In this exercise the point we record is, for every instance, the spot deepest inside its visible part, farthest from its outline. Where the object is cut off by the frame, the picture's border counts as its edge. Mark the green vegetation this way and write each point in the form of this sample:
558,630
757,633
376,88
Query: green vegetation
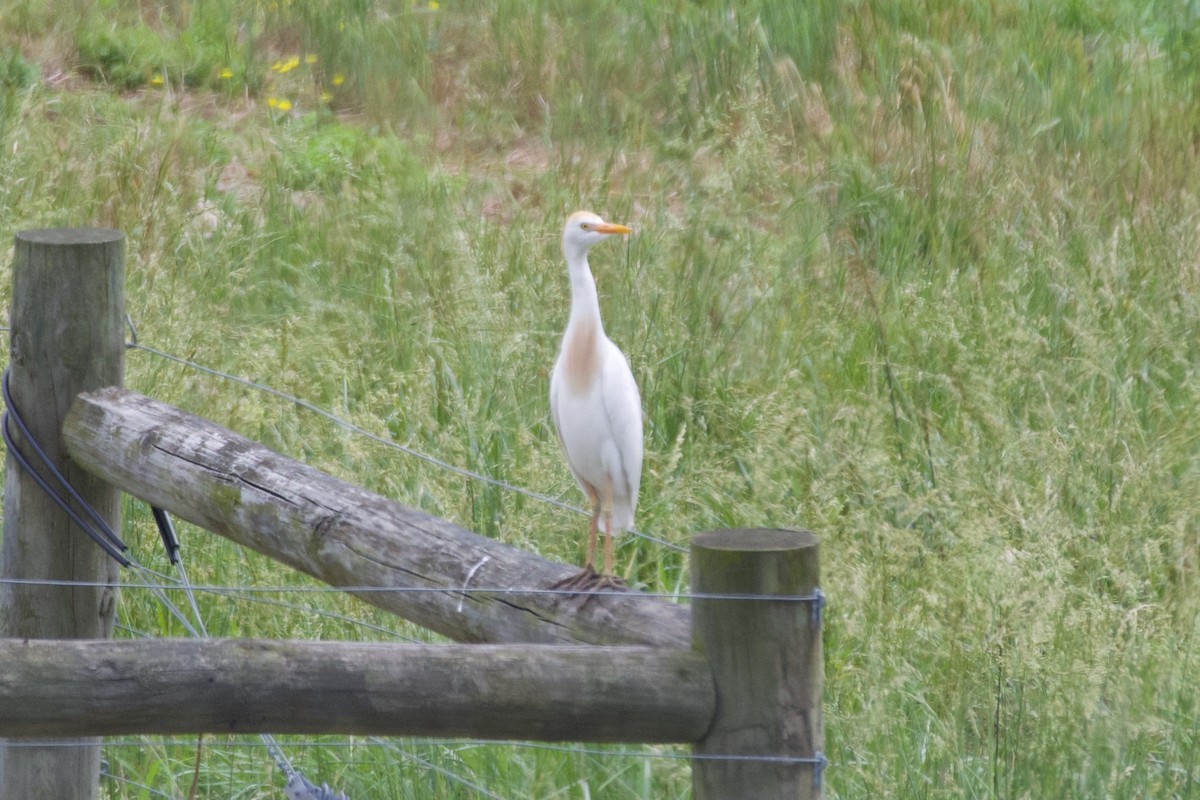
923,277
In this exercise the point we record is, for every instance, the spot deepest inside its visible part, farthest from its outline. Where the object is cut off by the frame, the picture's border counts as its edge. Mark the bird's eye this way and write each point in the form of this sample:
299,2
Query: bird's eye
584,226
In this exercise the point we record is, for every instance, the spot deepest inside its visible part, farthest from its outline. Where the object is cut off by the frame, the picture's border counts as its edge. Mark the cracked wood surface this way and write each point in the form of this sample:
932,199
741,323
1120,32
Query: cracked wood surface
346,536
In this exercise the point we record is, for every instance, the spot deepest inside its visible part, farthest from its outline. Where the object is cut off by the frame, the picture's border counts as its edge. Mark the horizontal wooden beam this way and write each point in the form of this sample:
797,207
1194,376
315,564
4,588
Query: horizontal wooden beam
68,688
347,536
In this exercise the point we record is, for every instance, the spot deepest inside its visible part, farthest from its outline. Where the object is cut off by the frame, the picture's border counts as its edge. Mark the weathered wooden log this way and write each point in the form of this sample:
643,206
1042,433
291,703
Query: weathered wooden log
184,686
68,336
766,660
347,536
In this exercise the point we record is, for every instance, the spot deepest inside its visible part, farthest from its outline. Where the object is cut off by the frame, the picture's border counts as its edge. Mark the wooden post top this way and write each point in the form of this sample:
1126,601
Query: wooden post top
70,236
756,539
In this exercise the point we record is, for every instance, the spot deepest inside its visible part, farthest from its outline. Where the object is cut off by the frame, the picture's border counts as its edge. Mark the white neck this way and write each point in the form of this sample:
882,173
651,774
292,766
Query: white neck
584,300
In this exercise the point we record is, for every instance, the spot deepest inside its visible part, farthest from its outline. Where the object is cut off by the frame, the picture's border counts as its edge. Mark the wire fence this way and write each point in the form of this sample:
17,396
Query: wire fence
386,442
817,597
163,586
406,754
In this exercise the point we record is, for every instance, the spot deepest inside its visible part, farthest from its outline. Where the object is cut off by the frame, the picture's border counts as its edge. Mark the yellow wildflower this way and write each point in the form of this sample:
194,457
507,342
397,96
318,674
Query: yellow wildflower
284,105
286,65
157,79
310,59
326,97
338,79
272,102
434,5
226,73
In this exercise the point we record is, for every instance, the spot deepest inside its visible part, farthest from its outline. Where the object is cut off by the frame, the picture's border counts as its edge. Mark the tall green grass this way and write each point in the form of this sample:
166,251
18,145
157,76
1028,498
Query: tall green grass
921,277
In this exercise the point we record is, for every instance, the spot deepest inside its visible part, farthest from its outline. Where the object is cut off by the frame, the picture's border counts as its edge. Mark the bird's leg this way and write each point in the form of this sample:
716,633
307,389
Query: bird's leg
607,580
608,548
608,539
589,564
583,579
589,580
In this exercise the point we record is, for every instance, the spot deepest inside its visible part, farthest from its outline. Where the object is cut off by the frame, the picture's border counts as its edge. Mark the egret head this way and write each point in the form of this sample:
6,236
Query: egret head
583,230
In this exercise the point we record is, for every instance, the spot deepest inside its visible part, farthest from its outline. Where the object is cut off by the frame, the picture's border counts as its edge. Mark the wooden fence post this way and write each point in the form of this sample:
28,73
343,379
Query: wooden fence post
766,660
67,336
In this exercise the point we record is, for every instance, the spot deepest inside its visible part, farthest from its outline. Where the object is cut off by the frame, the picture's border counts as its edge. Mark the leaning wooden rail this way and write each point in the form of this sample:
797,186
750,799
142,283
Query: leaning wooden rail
185,686
347,536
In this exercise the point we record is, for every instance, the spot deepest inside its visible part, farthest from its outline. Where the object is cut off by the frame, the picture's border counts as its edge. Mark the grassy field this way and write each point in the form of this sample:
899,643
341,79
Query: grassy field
923,277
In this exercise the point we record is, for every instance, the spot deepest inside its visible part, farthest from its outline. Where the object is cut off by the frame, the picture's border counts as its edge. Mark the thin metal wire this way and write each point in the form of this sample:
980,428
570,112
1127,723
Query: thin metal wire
350,426
331,615
106,772
191,595
114,551
272,746
818,759
171,542
816,597
430,765
233,594
98,529
461,744
201,632
182,583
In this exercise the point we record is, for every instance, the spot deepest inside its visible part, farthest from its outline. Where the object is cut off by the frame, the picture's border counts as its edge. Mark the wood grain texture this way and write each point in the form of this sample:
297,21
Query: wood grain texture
766,660
347,536
67,336
184,686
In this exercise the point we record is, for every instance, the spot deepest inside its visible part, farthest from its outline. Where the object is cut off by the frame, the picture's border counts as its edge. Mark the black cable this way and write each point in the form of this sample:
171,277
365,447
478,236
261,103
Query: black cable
102,534
167,531
99,529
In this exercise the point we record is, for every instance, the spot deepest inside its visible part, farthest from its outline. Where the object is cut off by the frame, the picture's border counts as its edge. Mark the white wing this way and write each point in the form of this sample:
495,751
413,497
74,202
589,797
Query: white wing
623,406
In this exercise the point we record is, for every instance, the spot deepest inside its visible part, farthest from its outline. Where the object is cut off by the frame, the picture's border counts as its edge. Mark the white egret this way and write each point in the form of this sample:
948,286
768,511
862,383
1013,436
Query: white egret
595,404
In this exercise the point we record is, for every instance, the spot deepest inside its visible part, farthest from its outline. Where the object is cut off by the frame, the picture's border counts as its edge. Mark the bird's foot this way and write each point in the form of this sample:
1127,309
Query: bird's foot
609,583
588,580
580,581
